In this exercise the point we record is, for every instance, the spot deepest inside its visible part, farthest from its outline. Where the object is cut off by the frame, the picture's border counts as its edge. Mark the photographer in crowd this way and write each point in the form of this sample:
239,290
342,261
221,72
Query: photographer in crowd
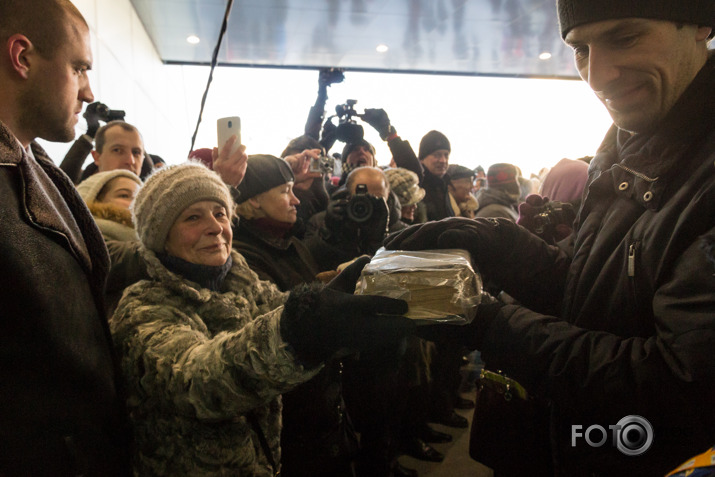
620,329
355,222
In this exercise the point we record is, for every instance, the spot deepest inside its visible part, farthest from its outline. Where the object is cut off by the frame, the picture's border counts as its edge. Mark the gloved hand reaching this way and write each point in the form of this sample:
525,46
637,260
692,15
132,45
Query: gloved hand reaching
470,335
336,215
318,320
378,119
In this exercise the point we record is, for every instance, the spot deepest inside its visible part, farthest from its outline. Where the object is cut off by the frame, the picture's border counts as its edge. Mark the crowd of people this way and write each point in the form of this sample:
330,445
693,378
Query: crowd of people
199,318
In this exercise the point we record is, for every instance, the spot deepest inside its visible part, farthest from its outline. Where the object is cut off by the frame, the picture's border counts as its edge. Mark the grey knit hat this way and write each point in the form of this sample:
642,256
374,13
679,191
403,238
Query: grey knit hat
167,193
405,184
263,173
90,188
573,13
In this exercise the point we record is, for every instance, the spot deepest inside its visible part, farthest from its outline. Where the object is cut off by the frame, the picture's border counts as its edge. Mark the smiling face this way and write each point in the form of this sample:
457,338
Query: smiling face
120,191
201,234
437,162
638,68
278,203
57,86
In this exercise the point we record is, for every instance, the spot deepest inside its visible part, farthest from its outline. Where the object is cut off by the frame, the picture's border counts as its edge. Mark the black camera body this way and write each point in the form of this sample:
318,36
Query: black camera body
363,207
348,130
105,114
322,164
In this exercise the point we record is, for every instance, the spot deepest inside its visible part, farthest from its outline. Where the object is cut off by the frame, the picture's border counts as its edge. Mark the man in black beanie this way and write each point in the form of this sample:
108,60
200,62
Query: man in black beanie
434,155
616,328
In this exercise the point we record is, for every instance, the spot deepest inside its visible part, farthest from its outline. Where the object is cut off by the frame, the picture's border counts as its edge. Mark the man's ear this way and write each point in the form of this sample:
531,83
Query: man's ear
21,51
704,32
254,203
95,156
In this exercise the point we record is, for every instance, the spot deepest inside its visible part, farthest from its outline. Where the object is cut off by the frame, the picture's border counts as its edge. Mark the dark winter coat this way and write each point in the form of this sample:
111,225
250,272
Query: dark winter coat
198,363
62,409
636,328
436,202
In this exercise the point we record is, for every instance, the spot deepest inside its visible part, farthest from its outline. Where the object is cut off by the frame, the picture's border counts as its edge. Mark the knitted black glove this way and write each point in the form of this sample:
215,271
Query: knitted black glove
470,335
93,115
378,119
318,321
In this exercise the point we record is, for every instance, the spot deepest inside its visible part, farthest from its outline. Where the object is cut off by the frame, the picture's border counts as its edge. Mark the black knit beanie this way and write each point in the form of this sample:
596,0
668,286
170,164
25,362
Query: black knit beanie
433,141
263,173
573,13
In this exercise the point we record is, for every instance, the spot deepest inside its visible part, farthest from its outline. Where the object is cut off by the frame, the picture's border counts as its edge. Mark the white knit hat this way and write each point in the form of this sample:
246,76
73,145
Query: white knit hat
167,193
90,188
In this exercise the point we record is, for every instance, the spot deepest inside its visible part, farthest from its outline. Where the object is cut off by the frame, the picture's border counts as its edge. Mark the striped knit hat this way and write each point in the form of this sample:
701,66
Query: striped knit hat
573,13
167,193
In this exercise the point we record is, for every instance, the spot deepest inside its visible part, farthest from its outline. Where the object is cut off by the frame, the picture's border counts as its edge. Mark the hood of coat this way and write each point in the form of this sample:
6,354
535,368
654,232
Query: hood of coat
496,196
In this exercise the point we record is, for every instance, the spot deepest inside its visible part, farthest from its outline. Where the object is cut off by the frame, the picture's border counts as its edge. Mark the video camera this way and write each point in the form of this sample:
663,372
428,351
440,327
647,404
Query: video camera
348,129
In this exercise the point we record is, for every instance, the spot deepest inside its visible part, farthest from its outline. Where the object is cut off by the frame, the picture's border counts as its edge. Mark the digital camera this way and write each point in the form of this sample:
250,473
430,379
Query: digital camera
363,207
322,164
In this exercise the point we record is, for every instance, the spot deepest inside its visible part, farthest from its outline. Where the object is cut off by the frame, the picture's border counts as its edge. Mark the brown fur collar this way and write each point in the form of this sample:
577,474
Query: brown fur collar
102,210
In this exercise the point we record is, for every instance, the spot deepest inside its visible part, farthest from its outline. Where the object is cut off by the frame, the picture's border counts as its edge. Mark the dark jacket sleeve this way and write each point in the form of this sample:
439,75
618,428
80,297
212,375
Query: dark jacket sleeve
610,376
75,157
405,156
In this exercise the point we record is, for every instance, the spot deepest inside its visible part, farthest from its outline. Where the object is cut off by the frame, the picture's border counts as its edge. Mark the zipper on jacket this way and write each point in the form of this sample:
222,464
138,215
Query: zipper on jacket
632,260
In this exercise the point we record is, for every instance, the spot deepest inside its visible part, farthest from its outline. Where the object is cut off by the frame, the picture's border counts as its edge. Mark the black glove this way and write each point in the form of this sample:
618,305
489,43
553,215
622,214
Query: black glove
336,216
378,119
328,76
92,115
470,335
486,239
318,321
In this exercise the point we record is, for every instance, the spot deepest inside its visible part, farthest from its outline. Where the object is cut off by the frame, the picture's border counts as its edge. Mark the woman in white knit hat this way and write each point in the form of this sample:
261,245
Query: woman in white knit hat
207,348
108,196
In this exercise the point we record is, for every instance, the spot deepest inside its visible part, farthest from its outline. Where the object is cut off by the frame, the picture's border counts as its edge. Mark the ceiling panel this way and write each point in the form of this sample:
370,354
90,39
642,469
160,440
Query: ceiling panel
469,37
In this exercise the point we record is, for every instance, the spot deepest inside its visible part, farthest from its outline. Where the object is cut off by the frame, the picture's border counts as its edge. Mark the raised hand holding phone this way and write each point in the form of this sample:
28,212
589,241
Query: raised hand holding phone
230,163
227,127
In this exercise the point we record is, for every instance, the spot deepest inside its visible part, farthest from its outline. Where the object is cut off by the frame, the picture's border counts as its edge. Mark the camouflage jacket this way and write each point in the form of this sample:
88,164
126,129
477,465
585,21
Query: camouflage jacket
197,362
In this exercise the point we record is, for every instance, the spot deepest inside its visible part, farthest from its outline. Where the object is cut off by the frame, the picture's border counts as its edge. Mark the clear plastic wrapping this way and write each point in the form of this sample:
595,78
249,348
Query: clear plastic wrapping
438,285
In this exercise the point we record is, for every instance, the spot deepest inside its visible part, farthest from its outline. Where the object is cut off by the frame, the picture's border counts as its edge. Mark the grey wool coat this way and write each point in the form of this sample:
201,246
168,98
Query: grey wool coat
197,363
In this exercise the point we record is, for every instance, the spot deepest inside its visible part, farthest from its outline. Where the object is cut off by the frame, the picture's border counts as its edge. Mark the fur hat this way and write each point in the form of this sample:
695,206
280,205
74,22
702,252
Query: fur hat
263,173
405,184
433,141
167,193
573,13
90,188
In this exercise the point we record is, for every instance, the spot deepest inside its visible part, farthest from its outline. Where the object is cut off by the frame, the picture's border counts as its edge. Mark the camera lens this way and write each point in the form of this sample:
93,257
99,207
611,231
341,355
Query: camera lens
359,209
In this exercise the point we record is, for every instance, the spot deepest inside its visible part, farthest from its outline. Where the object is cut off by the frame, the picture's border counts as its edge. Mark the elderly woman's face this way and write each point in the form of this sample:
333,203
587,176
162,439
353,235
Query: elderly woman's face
201,234
279,203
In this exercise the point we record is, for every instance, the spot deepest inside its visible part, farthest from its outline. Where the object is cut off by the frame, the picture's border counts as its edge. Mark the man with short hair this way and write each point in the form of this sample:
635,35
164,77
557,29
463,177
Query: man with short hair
62,410
118,145
617,331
